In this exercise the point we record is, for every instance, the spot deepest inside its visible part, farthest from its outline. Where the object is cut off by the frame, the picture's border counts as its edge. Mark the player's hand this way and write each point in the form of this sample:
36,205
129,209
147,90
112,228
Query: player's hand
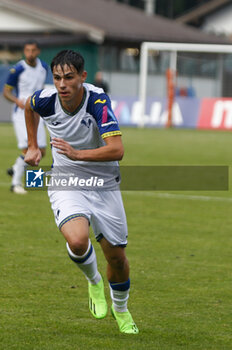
64,148
33,156
20,104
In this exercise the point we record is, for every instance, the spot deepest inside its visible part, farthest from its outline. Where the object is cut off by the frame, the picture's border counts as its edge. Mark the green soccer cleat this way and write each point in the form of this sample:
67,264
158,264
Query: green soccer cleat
125,322
97,300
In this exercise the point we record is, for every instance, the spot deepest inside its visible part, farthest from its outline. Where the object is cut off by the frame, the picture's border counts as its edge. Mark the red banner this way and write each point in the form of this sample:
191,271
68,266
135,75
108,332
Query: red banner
215,113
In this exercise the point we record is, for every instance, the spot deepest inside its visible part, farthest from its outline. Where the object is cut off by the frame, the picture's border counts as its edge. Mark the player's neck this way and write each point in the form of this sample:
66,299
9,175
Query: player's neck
73,105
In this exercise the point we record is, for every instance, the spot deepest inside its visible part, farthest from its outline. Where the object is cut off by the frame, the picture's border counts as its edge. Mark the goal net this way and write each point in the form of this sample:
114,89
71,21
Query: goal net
185,85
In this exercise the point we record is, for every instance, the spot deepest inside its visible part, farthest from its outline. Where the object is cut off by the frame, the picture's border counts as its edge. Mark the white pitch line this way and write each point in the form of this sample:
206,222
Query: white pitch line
179,196
166,195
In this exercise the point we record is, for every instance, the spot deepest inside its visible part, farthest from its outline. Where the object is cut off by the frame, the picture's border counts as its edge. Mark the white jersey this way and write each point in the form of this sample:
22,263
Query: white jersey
25,79
85,128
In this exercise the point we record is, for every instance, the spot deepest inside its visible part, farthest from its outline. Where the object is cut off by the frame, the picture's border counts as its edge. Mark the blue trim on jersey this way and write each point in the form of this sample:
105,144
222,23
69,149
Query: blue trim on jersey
98,106
13,76
120,286
44,65
44,106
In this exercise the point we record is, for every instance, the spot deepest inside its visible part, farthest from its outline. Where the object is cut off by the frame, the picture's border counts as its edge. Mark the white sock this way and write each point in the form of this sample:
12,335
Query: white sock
119,293
19,168
87,263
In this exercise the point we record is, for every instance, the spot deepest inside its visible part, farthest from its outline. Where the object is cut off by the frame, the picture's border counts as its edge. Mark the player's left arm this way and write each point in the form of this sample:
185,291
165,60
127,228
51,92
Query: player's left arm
113,150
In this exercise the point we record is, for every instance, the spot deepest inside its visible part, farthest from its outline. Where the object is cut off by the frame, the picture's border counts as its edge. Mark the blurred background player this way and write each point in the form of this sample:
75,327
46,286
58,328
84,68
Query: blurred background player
25,77
99,82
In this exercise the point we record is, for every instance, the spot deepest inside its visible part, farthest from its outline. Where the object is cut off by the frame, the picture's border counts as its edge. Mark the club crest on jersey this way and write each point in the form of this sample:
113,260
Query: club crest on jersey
86,122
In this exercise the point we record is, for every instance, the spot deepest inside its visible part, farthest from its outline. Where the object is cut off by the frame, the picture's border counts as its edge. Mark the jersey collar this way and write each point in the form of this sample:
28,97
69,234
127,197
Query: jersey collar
78,108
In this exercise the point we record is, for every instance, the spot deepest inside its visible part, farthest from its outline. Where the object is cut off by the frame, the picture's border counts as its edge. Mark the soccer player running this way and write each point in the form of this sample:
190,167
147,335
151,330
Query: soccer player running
25,77
84,130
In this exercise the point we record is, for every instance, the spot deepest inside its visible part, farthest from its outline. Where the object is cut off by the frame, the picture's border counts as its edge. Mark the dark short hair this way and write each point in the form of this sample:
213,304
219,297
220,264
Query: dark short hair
31,42
69,57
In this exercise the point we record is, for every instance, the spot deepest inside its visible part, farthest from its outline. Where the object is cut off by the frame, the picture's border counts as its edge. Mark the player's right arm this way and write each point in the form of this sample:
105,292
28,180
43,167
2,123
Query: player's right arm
7,93
33,155
11,84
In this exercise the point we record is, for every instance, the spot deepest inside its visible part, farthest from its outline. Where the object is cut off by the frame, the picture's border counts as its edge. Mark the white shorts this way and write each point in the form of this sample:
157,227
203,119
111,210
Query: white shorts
103,209
21,130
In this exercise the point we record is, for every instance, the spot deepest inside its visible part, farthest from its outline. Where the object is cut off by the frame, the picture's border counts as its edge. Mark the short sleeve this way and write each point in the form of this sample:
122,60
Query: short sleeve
44,65
12,80
99,106
43,103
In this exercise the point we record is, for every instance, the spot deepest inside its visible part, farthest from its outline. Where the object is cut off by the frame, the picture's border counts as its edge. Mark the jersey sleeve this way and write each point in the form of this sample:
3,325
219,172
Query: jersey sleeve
99,106
43,104
44,65
15,71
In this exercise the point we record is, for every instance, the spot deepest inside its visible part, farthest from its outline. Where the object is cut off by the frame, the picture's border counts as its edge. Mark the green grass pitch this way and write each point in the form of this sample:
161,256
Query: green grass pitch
179,250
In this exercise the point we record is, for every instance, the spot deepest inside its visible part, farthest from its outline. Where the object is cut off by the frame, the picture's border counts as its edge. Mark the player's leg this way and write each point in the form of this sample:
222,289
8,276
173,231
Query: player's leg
20,165
118,265
119,281
18,172
81,251
110,228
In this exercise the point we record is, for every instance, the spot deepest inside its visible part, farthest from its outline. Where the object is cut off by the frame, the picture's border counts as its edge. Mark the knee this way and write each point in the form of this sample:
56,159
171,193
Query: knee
78,246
